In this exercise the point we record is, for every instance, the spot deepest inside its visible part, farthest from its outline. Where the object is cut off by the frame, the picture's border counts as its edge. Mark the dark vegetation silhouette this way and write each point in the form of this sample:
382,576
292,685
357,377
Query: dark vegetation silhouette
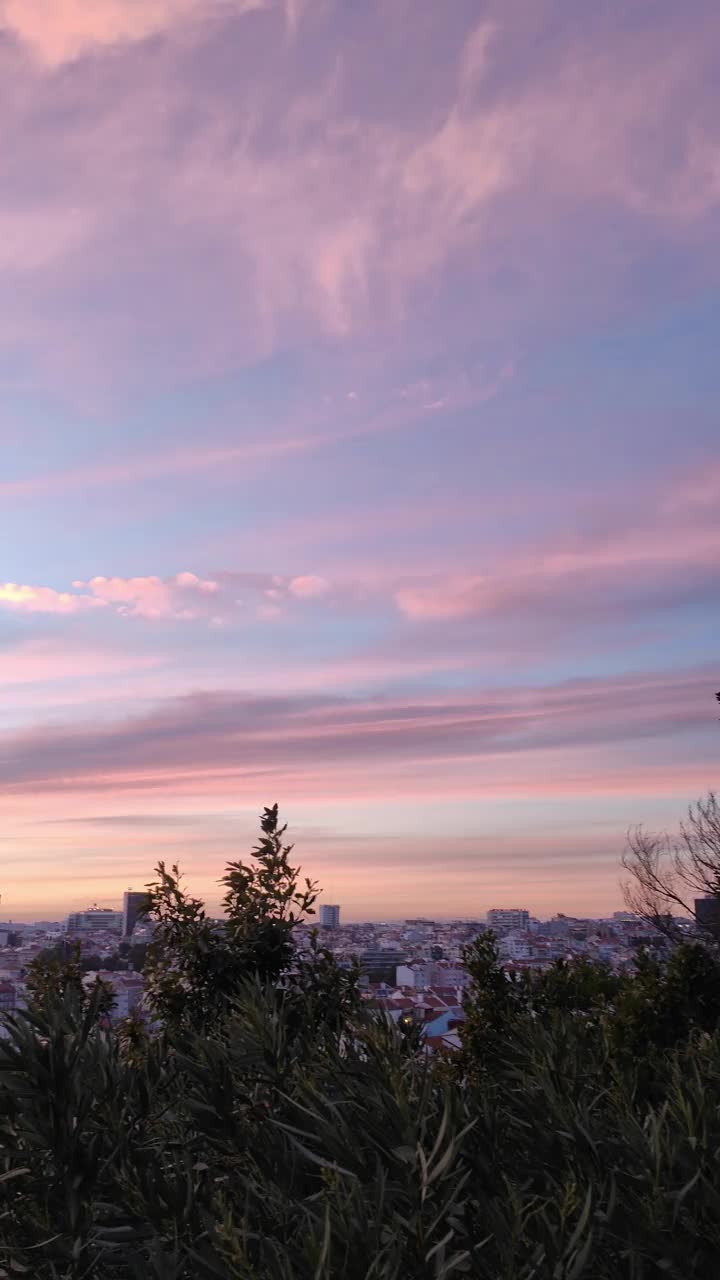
266,1124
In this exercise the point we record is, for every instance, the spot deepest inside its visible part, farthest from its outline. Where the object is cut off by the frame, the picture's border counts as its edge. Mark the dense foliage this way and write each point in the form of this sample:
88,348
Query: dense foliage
285,1131
195,963
641,1015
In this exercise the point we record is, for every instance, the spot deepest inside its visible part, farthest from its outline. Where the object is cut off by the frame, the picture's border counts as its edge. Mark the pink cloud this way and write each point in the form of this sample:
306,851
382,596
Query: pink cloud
27,599
695,493
31,240
65,675
55,662
308,587
657,554
148,597
179,462
382,204
520,739
61,30
182,596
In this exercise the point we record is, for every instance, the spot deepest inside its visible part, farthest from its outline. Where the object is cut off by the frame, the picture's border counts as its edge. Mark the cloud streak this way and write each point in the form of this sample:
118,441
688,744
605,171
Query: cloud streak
254,742
405,412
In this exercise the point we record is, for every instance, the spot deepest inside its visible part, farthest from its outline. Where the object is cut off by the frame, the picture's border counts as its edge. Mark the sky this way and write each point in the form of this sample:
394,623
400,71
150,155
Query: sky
359,391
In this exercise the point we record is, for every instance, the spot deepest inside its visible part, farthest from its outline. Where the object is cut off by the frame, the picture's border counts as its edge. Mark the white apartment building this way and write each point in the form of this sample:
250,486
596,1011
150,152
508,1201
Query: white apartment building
503,919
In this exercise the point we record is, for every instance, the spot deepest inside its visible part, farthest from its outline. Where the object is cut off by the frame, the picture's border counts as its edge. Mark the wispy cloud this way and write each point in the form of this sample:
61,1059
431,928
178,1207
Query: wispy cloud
54,661
384,203
405,411
641,561
60,31
224,740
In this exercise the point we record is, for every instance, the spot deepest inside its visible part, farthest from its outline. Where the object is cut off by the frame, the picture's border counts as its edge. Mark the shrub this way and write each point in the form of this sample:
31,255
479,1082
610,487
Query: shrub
288,1131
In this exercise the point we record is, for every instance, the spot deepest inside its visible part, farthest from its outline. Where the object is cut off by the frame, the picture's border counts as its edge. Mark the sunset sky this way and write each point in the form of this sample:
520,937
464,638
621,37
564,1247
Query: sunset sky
360,443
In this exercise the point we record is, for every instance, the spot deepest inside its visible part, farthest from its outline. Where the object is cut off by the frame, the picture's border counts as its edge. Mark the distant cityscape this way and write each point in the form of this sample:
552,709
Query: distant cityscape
409,968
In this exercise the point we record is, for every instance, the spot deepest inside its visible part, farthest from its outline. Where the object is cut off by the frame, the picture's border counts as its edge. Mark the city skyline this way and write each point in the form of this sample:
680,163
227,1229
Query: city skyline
359,437
313,921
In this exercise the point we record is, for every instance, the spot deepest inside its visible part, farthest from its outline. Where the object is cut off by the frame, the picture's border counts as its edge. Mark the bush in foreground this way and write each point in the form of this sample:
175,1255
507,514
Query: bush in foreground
292,1134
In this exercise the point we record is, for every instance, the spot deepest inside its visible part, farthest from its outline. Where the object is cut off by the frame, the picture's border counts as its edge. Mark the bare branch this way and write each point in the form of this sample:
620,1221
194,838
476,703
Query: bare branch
653,889
697,853
669,873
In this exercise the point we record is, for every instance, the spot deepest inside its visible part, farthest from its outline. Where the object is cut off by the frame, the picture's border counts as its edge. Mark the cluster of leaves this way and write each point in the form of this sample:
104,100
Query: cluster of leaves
641,1014
57,973
294,1135
195,963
